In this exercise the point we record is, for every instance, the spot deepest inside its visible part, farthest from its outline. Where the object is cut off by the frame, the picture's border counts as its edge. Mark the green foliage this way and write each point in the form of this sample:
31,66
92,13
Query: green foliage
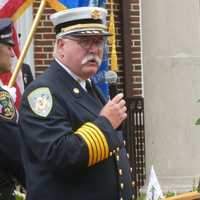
197,122
198,186
170,194
19,195
141,197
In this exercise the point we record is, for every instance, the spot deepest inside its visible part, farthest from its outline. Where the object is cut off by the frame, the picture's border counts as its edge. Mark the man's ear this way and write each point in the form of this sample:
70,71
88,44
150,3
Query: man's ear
60,46
60,43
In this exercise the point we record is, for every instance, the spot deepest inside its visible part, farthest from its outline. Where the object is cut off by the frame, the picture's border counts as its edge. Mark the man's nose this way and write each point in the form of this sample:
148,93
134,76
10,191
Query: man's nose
93,47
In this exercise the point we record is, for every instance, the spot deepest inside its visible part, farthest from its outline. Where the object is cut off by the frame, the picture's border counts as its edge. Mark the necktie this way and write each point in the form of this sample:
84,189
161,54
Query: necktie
89,88
91,92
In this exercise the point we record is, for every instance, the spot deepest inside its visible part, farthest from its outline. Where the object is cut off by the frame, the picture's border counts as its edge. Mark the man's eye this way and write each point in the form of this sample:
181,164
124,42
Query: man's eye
84,41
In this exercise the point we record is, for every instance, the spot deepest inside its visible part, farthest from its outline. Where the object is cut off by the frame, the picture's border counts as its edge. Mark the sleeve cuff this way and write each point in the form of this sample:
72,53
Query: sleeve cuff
96,142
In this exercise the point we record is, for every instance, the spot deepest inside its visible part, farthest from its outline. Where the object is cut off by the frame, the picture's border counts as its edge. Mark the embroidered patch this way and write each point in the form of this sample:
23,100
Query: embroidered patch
40,101
7,108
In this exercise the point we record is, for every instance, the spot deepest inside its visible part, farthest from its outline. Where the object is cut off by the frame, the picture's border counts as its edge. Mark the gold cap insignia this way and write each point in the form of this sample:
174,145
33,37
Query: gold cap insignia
95,14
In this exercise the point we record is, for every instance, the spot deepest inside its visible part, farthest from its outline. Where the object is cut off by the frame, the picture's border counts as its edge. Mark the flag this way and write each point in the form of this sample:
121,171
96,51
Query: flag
63,4
14,9
112,40
99,77
154,191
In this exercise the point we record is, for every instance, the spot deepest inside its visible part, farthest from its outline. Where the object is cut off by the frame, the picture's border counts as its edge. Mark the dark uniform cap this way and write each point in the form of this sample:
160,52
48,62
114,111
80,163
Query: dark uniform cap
80,21
6,31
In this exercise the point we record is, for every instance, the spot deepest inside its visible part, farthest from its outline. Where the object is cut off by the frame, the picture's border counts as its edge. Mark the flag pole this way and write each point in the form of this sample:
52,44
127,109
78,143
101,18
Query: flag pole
27,43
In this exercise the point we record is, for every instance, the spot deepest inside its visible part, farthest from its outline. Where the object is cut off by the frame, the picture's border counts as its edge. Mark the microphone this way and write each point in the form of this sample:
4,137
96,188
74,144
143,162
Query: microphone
111,79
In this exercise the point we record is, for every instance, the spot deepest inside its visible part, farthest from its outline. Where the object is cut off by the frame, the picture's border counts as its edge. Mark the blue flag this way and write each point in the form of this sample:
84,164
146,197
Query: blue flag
80,3
99,77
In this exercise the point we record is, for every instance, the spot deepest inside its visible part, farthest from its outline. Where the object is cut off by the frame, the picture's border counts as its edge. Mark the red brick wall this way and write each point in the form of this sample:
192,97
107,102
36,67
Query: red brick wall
136,47
44,39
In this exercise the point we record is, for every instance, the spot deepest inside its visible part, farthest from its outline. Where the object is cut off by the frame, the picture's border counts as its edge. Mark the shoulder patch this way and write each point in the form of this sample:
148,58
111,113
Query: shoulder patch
40,101
7,108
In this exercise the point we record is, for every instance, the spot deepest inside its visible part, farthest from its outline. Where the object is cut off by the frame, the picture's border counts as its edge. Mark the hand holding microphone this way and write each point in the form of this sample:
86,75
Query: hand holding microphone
115,110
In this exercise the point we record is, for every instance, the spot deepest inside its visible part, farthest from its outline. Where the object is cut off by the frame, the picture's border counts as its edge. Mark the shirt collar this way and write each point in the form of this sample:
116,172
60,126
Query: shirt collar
74,76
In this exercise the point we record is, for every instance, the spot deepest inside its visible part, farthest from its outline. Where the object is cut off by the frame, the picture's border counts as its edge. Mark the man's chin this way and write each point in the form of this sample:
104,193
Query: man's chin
89,73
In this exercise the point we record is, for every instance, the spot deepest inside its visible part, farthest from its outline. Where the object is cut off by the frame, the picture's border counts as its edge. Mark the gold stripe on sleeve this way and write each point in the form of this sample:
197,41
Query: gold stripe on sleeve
97,142
100,142
89,145
84,130
99,132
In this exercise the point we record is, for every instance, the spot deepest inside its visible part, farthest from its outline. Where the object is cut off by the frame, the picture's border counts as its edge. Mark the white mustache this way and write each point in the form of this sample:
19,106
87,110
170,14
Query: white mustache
91,57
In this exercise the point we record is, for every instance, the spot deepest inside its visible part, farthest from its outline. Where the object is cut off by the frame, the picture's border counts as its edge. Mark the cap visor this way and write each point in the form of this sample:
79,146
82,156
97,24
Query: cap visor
87,33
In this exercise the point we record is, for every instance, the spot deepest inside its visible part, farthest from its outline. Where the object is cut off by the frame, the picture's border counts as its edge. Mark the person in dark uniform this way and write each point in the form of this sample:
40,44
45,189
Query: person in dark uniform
11,168
27,74
26,71
70,143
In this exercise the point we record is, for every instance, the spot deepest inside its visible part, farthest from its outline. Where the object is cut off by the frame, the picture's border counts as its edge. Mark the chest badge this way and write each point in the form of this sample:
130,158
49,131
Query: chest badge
76,90
7,108
40,101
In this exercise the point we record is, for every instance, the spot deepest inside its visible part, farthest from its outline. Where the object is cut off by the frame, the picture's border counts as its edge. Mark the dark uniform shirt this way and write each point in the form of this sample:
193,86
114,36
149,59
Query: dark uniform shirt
10,158
69,152
27,74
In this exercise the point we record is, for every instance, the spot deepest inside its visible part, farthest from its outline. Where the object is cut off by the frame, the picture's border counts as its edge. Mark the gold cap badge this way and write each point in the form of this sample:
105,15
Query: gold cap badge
95,14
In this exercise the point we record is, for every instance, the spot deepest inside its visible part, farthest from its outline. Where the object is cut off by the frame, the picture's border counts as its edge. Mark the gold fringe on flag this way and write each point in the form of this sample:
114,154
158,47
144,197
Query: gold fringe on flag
112,40
56,5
